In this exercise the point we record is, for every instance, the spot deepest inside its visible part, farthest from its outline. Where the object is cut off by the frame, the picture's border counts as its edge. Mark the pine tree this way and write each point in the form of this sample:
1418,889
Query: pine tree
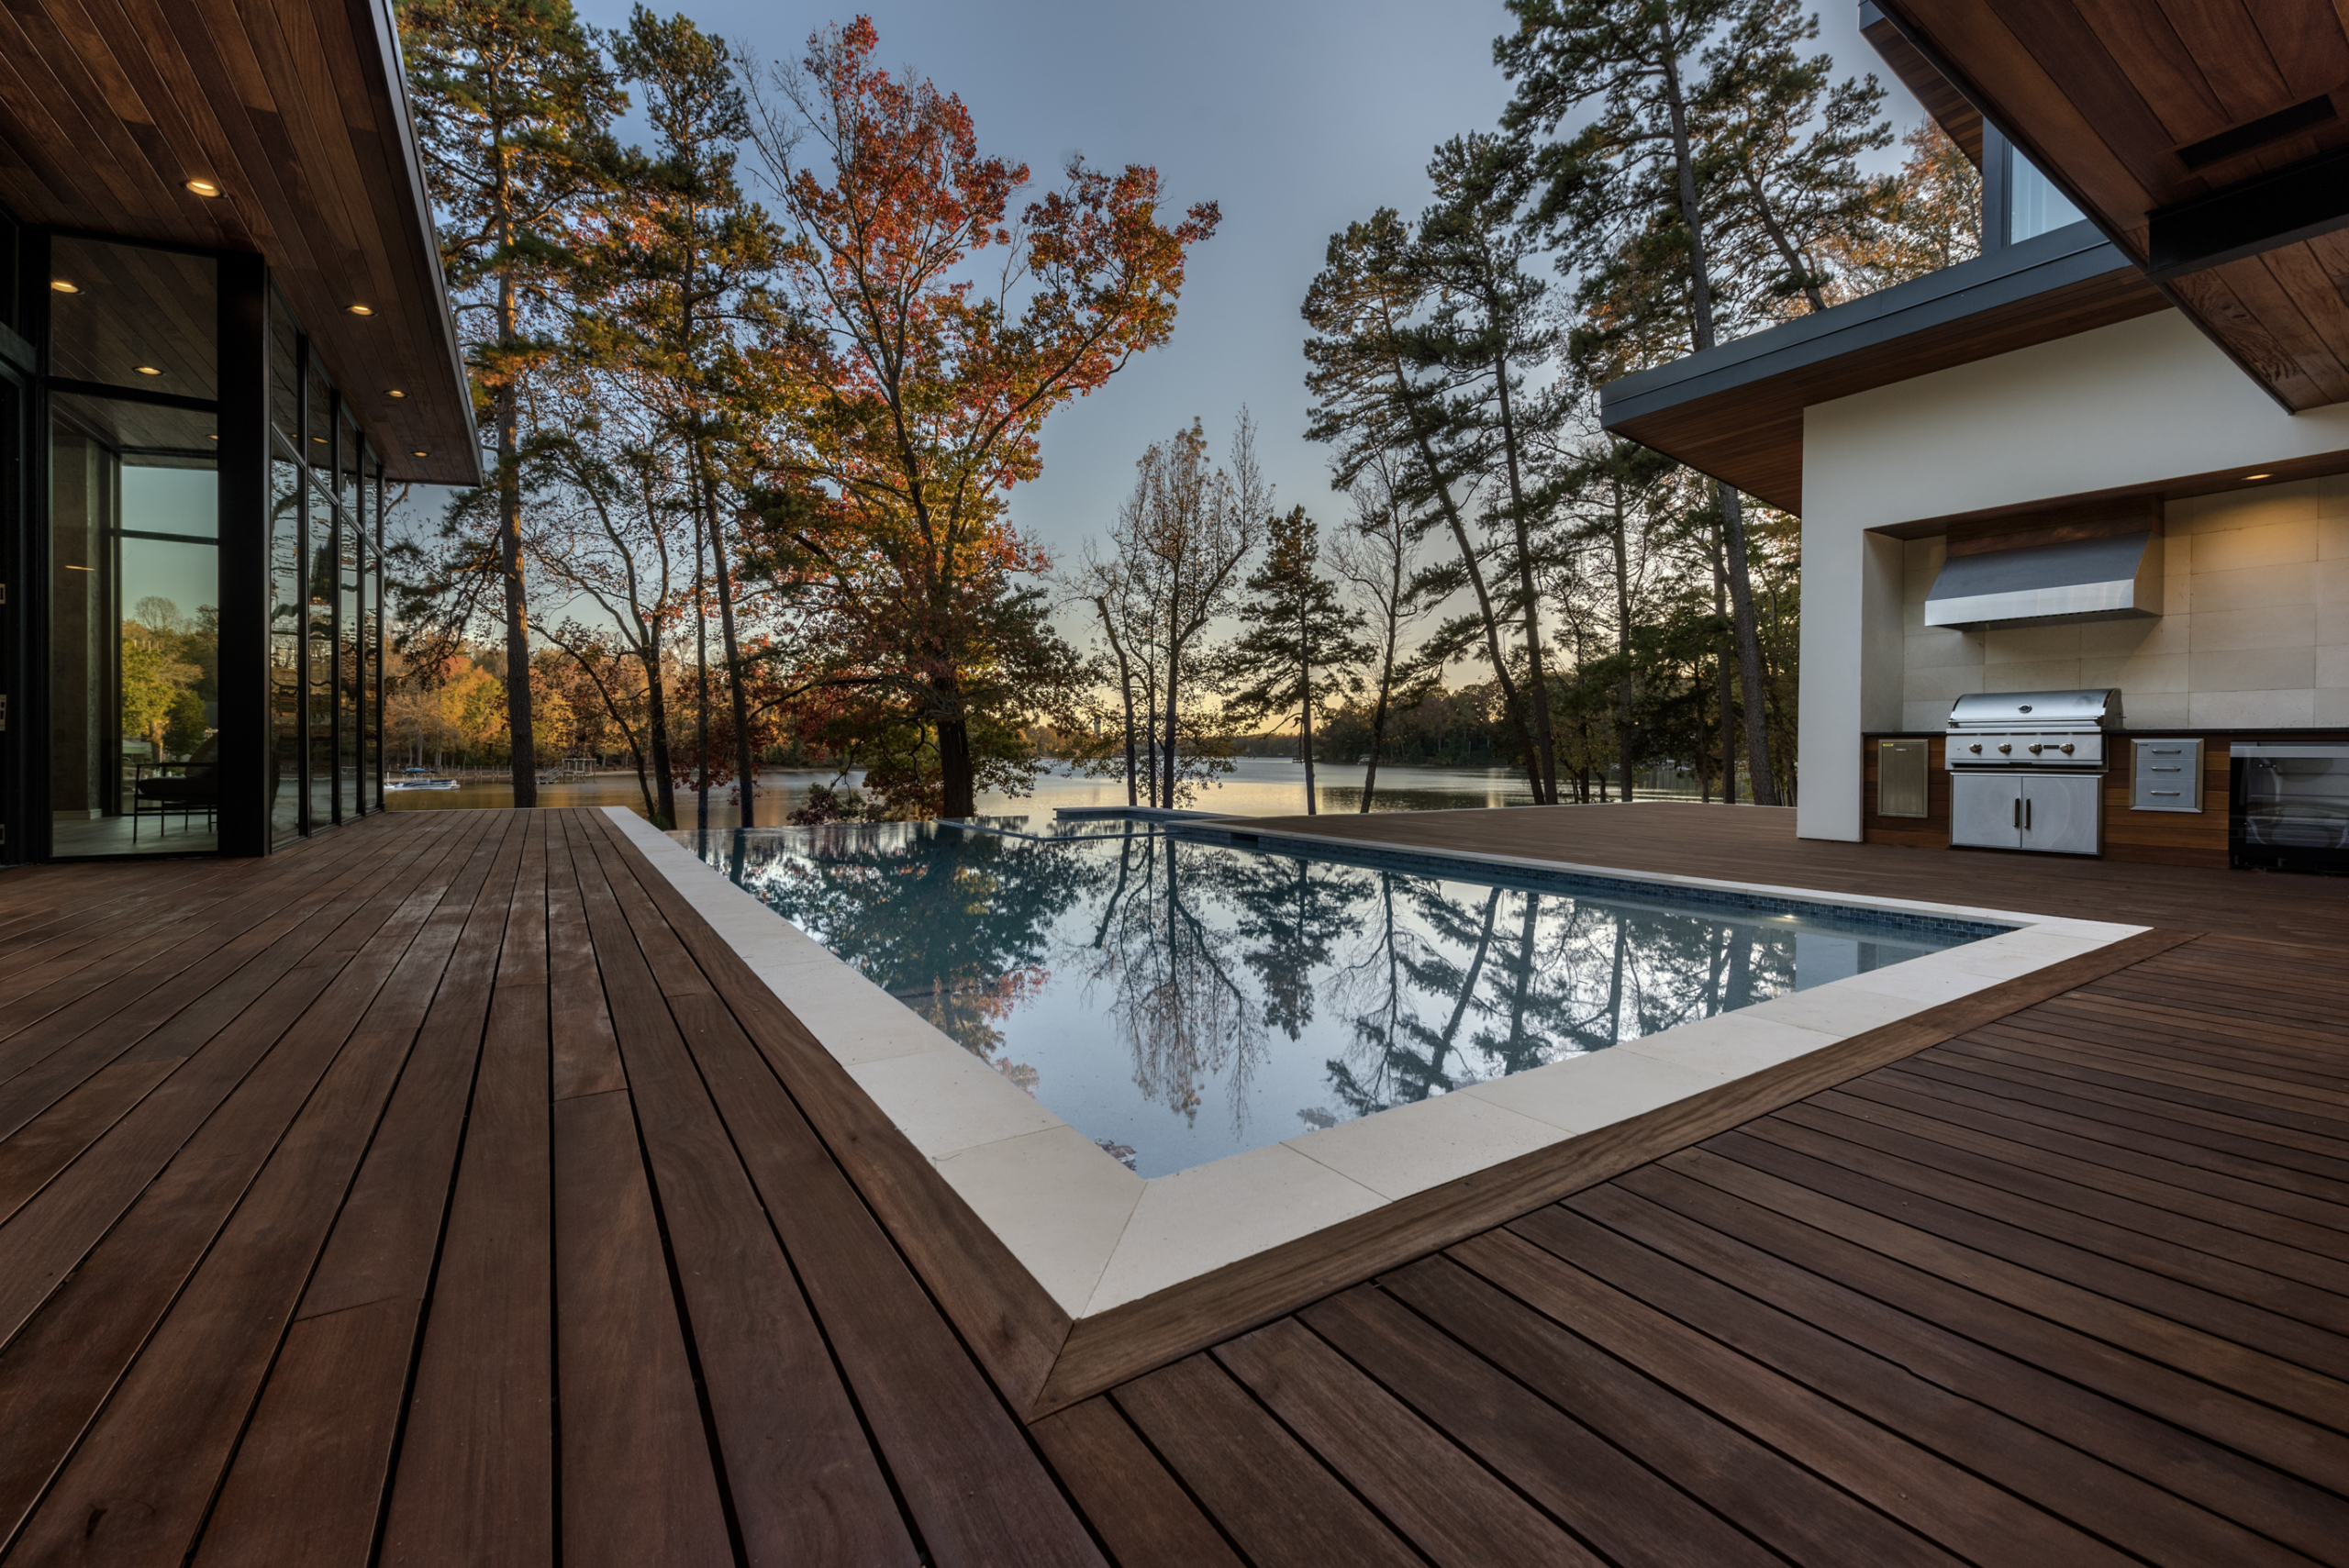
1485,331
1375,400
513,104
1644,197
1300,651
1789,139
685,269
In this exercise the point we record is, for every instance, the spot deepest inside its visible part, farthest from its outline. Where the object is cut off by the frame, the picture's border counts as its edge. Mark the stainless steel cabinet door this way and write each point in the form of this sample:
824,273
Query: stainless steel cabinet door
2061,813
1985,810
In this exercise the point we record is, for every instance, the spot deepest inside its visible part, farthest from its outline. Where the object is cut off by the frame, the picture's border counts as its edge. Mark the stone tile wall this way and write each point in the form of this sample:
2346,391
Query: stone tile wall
2254,631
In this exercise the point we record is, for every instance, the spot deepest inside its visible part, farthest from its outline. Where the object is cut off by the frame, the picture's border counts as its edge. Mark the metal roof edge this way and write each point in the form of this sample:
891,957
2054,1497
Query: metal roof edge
2057,258
388,56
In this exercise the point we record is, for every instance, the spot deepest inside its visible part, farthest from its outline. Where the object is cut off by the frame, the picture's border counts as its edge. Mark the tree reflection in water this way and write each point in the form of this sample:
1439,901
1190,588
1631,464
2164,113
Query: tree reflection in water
953,924
1143,975
1176,997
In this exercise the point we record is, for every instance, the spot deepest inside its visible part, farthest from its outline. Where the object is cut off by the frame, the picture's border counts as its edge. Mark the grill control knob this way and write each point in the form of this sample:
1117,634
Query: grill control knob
1976,748
2065,749
2034,750
2006,748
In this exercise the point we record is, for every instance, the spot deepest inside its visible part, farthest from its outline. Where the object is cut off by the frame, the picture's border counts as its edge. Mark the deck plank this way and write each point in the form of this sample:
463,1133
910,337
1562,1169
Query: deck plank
259,1186
445,1189
806,1485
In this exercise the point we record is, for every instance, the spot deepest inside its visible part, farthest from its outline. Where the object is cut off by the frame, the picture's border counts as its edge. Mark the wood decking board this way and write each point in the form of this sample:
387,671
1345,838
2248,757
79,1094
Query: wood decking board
444,1190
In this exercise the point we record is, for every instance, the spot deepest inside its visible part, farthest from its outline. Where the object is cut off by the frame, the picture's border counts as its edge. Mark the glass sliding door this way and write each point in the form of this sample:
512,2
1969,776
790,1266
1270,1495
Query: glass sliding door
348,688
285,611
134,650
319,555
371,634
133,574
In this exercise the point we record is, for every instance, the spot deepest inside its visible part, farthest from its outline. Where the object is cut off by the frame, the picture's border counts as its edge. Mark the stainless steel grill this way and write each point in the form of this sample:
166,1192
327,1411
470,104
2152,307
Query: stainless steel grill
2027,769
2031,730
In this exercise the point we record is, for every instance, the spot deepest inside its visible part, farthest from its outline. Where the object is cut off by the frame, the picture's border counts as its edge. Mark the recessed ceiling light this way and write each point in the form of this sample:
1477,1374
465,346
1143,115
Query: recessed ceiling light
2252,476
61,286
204,187
320,439
396,392
418,453
360,309
146,370
215,437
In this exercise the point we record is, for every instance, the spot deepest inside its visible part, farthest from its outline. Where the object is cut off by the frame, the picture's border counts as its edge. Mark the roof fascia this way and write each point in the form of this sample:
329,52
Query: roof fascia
2057,258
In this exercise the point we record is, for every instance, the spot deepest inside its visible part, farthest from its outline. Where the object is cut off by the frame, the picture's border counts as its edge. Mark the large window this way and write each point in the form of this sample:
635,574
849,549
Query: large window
150,749
134,654
135,719
285,613
2033,204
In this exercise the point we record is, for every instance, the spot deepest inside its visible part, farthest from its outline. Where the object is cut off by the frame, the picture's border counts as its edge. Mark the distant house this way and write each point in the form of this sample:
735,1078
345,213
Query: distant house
2107,454
223,334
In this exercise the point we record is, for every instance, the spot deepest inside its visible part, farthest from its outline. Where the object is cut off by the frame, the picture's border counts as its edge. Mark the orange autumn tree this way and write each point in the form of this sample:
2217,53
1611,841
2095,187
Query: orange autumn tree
935,331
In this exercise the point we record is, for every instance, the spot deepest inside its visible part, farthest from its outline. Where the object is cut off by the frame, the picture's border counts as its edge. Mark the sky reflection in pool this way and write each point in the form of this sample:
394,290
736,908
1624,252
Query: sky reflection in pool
1177,1001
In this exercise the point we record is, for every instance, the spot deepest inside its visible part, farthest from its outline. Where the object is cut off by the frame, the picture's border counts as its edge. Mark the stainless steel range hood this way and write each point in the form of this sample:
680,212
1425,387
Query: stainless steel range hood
2089,579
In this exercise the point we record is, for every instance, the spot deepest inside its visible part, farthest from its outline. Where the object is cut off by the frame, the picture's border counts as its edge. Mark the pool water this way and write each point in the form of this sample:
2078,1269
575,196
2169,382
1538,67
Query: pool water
1178,999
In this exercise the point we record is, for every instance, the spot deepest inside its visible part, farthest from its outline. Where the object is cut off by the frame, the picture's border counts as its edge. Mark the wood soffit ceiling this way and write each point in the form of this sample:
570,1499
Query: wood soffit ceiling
2208,140
295,108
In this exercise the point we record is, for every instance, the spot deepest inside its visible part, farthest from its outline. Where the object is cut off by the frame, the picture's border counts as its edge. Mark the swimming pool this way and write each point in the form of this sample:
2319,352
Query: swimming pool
1178,999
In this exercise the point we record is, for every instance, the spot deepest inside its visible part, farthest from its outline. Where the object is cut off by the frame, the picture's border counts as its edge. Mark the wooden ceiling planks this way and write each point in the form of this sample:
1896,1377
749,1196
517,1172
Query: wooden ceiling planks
294,107
2111,97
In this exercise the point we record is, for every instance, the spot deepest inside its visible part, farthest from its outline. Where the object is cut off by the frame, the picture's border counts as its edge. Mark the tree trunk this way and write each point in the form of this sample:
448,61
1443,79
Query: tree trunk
1700,299
1509,698
656,702
1749,645
1378,715
1625,739
1533,665
745,764
1174,690
1125,688
701,689
1305,722
518,727
959,788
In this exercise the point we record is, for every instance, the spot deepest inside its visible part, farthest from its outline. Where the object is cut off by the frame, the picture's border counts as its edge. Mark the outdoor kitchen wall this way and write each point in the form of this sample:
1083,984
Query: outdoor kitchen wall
2256,633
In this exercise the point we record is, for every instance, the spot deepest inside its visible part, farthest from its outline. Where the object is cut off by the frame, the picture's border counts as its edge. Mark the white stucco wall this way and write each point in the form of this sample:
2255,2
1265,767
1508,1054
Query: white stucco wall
2142,402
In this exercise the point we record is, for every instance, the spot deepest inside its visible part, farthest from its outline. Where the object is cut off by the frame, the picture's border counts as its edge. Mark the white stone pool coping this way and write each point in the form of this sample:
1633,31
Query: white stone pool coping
1095,1236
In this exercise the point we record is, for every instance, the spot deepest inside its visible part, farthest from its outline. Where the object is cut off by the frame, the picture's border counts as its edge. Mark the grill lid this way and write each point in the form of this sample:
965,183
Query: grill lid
2036,710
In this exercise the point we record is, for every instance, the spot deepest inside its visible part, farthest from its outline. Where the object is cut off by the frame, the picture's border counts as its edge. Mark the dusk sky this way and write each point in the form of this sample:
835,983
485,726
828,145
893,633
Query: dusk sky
1296,117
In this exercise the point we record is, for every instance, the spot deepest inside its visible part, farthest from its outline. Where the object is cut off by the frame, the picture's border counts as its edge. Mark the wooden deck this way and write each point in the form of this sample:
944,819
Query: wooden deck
441,1192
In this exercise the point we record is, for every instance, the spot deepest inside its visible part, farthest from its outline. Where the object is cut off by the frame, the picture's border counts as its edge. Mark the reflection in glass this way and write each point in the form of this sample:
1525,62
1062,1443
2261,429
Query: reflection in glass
2033,204
285,604
346,665
370,647
318,594
126,315
1178,1000
133,629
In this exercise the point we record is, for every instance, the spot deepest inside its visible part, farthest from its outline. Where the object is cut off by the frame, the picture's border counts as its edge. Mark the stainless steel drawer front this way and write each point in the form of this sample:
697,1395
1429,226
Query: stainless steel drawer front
2166,776
1900,774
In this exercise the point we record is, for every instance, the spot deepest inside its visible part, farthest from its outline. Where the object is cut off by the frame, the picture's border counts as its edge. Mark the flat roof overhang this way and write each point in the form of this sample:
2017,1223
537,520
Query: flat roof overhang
299,113
2209,143
1736,412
